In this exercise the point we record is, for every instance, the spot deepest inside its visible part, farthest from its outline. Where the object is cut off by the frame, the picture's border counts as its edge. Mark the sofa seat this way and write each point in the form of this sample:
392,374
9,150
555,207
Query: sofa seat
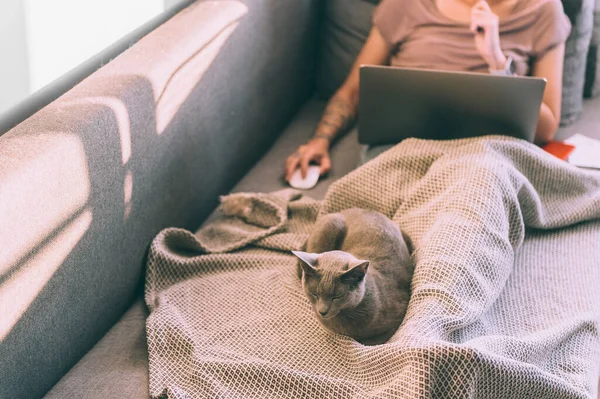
118,365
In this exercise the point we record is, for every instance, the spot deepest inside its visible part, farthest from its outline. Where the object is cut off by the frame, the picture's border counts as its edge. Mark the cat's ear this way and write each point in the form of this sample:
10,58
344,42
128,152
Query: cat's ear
307,259
357,273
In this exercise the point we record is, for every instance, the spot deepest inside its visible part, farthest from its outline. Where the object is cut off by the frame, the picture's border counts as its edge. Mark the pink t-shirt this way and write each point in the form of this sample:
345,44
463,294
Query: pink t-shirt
422,37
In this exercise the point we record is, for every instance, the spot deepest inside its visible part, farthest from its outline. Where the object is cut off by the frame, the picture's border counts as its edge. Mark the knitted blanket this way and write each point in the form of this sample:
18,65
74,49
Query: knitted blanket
505,296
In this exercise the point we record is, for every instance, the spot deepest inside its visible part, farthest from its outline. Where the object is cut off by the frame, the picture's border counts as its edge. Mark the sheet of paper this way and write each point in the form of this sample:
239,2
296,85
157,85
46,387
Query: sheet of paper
586,153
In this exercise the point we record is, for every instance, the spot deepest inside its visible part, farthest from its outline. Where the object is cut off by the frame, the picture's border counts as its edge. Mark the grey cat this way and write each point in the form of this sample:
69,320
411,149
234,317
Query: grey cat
356,272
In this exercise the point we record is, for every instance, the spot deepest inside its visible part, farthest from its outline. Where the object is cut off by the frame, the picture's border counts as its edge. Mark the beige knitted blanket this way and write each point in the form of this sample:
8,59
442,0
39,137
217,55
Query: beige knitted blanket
506,291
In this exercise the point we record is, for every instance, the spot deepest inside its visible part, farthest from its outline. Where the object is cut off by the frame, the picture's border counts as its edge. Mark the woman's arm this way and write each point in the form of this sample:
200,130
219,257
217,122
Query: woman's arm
550,66
341,111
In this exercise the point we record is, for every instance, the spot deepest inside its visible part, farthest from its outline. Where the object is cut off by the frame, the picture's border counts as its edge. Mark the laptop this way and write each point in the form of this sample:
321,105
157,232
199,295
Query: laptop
398,103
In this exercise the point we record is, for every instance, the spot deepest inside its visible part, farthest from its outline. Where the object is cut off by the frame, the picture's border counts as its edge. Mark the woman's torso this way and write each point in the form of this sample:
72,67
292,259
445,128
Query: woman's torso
423,37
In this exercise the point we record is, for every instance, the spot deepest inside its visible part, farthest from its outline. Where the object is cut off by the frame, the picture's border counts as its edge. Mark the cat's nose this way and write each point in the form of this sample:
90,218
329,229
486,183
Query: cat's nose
323,313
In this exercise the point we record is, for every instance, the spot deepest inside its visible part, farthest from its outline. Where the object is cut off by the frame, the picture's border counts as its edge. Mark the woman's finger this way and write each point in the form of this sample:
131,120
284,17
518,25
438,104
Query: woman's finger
482,5
483,18
477,22
473,26
483,24
291,159
476,16
306,158
484,21
325,165
480,14
291,165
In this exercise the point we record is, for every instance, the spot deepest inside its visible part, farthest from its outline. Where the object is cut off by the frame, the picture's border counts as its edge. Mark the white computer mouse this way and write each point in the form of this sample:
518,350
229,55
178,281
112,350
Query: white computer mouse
312,177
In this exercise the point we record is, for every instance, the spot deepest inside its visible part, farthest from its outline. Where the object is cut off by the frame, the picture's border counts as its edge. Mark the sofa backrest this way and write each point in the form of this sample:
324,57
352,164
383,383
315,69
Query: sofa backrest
576,50
148,141
345,27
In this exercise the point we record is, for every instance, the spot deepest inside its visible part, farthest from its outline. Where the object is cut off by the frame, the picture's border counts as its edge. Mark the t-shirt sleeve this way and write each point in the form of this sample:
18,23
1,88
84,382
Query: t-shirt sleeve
390,18
551,28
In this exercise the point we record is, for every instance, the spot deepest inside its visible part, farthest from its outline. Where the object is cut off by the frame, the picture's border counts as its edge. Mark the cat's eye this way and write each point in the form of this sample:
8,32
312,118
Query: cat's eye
313,295
336,297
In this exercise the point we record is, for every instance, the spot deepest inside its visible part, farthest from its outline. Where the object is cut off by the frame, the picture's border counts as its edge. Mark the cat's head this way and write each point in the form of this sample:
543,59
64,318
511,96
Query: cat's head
332,281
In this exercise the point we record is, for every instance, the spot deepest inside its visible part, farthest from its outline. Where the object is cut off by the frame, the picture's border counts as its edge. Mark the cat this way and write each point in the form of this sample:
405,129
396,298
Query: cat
356,273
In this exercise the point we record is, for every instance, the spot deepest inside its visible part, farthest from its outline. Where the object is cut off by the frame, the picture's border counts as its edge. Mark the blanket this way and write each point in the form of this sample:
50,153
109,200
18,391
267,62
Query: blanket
505,300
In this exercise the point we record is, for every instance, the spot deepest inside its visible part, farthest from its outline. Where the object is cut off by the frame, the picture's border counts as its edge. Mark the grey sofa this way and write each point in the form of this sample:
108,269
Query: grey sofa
213,100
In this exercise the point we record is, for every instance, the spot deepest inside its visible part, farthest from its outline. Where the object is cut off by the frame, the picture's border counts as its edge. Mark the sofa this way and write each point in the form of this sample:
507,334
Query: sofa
592,70
210,102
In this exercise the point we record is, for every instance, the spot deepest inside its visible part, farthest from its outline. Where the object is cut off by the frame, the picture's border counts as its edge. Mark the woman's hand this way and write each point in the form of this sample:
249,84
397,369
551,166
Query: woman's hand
316,151
484,24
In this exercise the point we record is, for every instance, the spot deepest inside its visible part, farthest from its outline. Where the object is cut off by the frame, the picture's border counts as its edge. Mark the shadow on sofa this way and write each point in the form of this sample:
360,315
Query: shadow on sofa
90,201
146,142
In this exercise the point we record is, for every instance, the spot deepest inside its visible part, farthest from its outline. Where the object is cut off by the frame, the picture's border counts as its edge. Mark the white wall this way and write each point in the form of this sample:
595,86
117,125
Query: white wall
172,3
62,34
14,74
41,40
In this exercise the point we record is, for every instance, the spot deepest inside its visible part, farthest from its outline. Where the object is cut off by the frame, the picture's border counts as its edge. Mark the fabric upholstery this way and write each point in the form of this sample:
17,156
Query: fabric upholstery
572,9
148,141
592,69
576,50
346,25
118,365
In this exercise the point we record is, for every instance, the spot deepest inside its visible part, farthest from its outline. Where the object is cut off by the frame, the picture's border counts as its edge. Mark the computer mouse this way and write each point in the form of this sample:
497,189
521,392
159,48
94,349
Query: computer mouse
312,177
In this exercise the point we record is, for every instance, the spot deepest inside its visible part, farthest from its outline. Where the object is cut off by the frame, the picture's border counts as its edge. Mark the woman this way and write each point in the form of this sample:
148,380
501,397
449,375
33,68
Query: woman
525,37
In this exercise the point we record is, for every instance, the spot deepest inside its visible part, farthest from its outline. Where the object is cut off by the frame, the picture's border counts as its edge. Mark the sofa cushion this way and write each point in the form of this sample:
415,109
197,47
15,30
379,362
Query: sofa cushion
592,69
118,365
346,25
572,8
576,50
